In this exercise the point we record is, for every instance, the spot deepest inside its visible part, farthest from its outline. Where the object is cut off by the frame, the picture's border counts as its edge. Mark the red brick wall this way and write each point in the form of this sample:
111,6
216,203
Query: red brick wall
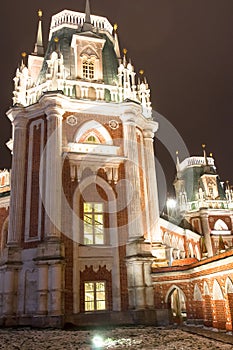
208,311
219,314
215,313
229,311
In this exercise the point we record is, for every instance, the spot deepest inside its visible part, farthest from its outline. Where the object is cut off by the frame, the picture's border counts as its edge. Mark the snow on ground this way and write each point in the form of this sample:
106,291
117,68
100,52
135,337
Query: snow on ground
116,338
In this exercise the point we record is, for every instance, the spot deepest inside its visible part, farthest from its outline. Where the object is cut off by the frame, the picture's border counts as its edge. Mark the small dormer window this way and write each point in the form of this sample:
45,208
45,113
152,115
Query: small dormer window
92,139
211,192
88,69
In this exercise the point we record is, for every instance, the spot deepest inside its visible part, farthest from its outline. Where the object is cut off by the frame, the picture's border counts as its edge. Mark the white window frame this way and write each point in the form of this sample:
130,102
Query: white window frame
93,301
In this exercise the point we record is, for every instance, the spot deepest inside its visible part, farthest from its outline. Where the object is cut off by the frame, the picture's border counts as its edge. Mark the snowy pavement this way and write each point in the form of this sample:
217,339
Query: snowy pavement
116,338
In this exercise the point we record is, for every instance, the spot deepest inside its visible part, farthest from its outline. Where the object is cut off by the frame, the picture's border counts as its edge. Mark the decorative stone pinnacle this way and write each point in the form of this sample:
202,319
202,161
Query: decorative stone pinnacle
40,14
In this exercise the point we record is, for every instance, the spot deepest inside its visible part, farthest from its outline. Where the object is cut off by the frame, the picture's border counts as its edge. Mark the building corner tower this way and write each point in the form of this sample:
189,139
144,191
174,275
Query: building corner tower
84,216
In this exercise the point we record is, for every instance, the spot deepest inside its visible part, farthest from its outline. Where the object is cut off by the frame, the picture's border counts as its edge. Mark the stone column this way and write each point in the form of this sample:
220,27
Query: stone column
17,180
53,172
139,285
130,279
55,289
149,290
42,306
153,201
135,226
9,292
206,232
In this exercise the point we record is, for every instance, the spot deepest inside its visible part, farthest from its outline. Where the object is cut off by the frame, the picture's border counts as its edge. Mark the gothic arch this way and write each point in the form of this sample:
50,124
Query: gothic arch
171,290
220,225
112,235
190,250
229,286
197,296
93,127
174,242
217,291
197,252
89,52
4,234
167,239
111,201
181,244
176,300
206,289
92,93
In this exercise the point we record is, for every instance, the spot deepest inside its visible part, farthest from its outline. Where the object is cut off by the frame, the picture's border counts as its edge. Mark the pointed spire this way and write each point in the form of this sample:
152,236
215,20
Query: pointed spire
88,12
87,26
125,58
39,47
23,61
205,156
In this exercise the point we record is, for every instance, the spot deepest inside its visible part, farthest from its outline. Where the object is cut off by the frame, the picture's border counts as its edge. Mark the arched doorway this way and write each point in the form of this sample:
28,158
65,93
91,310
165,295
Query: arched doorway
177,304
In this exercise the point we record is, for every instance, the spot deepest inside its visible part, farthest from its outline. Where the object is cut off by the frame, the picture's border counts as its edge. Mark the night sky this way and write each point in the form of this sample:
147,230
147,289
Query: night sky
184,46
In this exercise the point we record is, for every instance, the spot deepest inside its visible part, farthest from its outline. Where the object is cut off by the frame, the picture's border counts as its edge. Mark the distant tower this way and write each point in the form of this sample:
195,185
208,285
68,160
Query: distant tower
204,202
83,227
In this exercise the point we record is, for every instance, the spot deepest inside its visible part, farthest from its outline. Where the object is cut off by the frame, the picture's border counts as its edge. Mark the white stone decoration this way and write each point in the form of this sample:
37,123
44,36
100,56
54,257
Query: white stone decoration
72,120
114,125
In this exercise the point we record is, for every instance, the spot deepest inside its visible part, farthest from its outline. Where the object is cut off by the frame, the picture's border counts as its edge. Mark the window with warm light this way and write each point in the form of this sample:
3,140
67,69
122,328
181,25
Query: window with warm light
88,69
92,139
93,217
95,296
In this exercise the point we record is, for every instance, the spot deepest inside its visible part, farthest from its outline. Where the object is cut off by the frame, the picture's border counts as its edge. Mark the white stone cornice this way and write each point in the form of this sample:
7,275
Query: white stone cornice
15,112
124,110
51,104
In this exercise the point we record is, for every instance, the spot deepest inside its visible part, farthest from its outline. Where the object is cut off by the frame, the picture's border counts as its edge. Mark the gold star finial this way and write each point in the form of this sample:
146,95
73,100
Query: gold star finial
115,27
23,54
40,13
177,153
56,39
211,155
125,51
203,146
141,72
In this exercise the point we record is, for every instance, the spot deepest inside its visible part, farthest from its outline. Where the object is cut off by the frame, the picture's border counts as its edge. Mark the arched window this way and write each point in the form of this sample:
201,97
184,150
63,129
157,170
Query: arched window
88,69
92,139
220,225
217,291
197,293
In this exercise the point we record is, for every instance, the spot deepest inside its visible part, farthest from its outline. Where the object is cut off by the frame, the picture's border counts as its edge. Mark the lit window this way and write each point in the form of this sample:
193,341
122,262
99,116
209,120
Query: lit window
211,192
95,296
93,223
92,139
88,70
